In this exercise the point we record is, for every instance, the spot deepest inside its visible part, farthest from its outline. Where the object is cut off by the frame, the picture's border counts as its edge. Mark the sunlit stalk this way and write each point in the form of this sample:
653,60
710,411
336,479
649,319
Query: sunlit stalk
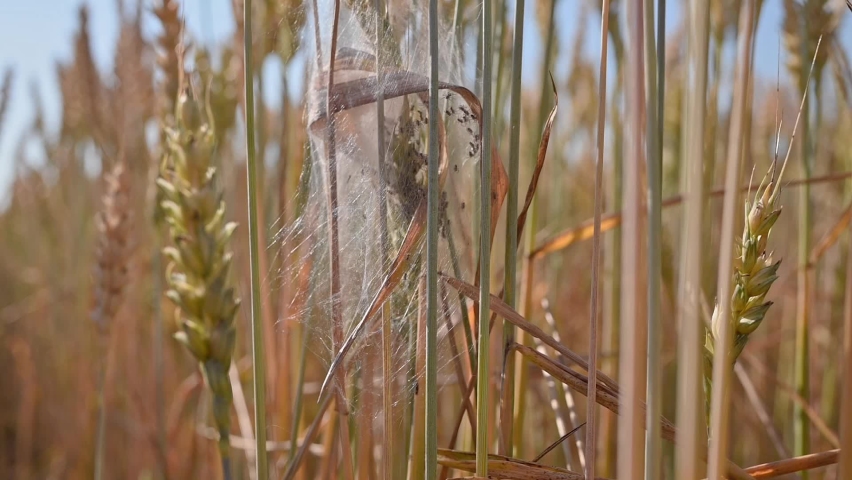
482,365
690,413
511,263
633,343
722,365
258,358
591,409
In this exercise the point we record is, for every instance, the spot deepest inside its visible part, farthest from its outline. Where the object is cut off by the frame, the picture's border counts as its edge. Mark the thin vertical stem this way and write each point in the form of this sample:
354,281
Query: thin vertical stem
653,145
457,13
482,366
100,441
334,249
433,199
258,358
387,326
499,93
724,338
511,263
690,414
159,358
801,428
592,393
300,388
633,333
845,464
528,269
418,453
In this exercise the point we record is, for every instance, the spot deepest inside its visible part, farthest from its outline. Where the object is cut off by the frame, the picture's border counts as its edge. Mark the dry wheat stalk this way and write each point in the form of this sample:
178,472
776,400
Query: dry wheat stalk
199,259
113,249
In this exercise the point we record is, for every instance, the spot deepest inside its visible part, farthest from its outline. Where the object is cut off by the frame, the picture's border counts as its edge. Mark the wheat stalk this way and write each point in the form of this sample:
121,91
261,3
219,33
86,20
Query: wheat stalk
111,279
199,259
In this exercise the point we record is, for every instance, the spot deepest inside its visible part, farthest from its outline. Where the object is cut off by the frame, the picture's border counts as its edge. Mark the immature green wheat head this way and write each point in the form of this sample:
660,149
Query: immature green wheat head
754,273
199,258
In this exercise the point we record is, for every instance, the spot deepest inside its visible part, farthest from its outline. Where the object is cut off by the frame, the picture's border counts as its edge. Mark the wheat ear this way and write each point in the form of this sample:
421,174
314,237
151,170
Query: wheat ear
111,278
113,248
199,258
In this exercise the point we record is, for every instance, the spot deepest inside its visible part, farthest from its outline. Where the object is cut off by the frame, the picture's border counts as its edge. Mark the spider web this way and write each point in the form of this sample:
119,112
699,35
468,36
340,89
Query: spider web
378,202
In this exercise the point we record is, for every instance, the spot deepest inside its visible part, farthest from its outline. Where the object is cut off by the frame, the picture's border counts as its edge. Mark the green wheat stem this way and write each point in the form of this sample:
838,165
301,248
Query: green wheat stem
482,364
511,259
433,199
258,355
530,241
801,440
654,132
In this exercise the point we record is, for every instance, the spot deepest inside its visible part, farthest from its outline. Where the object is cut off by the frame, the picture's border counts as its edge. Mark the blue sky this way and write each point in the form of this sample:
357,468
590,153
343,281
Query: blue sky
35,34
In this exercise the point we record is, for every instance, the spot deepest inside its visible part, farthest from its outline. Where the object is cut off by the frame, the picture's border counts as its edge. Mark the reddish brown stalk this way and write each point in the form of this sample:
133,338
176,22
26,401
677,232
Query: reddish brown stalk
334,252
795,464
845,467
